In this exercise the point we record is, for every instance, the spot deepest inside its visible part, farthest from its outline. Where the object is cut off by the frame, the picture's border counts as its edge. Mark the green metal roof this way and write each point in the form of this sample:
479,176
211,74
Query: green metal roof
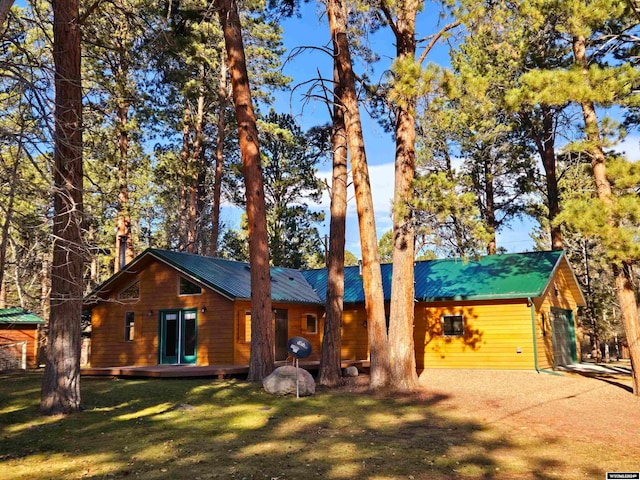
233,279
509,276
18,315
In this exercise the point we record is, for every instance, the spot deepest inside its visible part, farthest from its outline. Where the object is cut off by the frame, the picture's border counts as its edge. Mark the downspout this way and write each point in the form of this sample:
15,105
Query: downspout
535,342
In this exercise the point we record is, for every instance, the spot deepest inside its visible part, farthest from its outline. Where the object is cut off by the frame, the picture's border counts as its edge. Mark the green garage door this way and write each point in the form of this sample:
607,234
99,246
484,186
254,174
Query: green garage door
564,337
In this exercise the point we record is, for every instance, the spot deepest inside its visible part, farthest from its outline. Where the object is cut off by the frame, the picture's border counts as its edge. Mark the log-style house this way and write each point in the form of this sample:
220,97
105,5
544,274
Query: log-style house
512,311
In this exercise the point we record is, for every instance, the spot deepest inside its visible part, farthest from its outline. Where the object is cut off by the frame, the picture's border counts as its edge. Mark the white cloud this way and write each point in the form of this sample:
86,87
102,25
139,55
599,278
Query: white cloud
630,147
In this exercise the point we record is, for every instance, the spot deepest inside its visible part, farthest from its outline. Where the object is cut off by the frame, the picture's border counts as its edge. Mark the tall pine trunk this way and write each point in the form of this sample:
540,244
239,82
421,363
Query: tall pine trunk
261,361
401,342
123,231
61,380
8,215
183,201
371,274
223,100
545,144
623,271
330,361
197,173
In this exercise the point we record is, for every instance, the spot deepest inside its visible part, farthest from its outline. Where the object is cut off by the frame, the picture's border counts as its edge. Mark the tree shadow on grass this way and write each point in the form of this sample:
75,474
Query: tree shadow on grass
200,429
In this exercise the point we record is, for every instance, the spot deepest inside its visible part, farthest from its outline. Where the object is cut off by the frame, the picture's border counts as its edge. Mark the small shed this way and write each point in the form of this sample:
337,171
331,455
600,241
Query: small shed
19,331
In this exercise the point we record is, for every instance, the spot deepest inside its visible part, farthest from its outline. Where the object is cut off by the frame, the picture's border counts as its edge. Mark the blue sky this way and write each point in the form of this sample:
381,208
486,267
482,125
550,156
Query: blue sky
311,29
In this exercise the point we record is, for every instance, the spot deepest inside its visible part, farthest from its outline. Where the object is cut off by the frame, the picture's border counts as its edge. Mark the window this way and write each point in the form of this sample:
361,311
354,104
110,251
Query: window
189,288
132,292
245,327
452,326
129,330
312,323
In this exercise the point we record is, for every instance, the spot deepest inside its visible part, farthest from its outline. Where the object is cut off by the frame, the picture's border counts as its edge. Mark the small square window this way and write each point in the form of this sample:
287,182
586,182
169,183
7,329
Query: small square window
129,329
312,323
452,326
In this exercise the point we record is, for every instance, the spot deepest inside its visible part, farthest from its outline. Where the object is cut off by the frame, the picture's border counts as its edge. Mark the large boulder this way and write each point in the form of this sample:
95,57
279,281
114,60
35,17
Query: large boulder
282,381
350,371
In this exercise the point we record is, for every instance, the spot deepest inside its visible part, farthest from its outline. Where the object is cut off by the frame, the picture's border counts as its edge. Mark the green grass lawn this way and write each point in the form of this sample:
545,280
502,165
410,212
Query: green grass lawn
203,428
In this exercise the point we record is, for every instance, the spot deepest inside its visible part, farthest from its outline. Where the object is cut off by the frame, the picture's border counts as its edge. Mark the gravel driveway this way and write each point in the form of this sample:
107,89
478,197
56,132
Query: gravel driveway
538,425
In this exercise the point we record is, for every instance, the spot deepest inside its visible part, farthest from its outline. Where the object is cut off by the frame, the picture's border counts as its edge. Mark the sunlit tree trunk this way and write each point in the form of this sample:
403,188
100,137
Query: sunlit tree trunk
623,272
330,361
61,380
371,274
401,342
261,362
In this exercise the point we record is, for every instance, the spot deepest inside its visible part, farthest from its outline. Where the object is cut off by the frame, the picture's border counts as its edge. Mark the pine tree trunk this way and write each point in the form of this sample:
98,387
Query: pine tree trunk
261,361
183,202
197,173
223,100
8,216
330,373
5,8
124,216
401,342
371,274
553,192
623,274
61,380
490,208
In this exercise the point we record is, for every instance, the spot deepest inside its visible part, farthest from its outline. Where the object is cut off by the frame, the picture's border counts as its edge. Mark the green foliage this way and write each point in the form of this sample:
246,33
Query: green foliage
586,214
448,219
289,159
385,247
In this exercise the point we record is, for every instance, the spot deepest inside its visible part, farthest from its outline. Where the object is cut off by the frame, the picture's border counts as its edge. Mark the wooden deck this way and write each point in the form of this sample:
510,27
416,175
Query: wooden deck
186,371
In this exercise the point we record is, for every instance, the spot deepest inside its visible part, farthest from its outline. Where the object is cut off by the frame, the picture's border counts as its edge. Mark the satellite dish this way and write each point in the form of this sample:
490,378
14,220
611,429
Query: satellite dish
299,347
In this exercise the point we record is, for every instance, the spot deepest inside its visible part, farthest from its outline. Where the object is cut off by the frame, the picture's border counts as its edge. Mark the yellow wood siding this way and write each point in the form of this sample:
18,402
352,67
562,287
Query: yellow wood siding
560,293
496,335
296,327
355,342
158,291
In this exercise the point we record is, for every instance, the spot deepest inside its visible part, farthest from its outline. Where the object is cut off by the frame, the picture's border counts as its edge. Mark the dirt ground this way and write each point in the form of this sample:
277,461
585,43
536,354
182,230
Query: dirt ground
569,425
571,404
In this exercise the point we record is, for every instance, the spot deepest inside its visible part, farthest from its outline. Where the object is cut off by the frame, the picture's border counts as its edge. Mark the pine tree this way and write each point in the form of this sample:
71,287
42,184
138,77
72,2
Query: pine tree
261,356
372,276
61,380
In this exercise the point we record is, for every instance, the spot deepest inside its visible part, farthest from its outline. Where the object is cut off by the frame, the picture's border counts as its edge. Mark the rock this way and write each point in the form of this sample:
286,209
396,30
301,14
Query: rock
350,372
282,381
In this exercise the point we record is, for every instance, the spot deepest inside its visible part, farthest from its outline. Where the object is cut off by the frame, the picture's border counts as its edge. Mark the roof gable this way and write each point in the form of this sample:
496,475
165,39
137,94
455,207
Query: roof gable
18,315
229,278
509,276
